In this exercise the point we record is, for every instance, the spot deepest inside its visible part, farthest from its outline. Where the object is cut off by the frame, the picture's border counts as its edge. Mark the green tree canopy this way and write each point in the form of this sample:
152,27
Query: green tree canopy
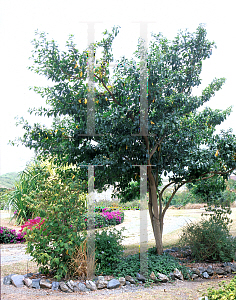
181,143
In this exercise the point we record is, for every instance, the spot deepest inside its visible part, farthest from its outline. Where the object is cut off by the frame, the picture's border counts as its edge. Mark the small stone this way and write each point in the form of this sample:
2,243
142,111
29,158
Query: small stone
140,277
122,281
27,282
28,275
227,269
219,271
162,277
45,284
127,282
101,282
178,274
194,276
17,280
55,285
64,287
35,283
91,285
113,284
233,268
205,275
130,279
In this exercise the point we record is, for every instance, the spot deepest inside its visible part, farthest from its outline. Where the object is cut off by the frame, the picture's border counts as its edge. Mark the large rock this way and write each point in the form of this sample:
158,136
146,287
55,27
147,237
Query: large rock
122,281
35,283
153,277
80,287
101,282
130,279
196,271
162,277
178,274
210,270
70,284
140,277
91,285
45,284
7,279
55,285
113,284
17,280
227,269
205,275
28,282
194,276
64,287
219,271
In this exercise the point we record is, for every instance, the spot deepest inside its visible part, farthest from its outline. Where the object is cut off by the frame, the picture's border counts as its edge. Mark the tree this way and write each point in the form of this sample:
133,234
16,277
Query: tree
181,143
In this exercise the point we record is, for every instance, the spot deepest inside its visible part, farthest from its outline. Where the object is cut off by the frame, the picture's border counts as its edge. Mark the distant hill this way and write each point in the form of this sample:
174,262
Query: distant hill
7,180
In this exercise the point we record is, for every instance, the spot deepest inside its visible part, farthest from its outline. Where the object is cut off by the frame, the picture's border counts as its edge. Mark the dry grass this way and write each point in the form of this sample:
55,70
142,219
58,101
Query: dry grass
83,263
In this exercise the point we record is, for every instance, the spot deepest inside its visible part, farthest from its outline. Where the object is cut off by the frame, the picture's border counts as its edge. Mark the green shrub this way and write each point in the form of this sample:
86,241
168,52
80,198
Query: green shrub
208,240
164,264
225,292
130,193
108,250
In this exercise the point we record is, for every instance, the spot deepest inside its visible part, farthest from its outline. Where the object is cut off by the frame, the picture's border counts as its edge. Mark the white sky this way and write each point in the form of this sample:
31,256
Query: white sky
20,19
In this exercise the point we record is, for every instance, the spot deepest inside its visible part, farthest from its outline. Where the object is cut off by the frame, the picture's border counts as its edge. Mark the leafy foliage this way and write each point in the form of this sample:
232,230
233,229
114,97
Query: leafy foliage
180,143
164,264
109,251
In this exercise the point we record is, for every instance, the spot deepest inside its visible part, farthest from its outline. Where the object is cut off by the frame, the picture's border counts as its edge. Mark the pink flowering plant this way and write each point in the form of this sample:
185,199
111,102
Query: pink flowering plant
10,236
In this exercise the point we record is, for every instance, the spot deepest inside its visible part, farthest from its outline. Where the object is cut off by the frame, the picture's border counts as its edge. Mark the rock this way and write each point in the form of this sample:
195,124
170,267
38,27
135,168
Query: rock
122,281
172,276
196,271
64,287
130,279
219,271
210,271
194,276
162,277
7,279
153,277
113,284
70,284
80,287
178,274
202,270
141,278
233,268
205,275
28,282
17,280
227,269
91,285
55,285
35,283
28,275
45,284
127,282
101,282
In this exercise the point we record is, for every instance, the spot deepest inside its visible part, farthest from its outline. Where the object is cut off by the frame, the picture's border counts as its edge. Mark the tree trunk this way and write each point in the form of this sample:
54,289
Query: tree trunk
154,215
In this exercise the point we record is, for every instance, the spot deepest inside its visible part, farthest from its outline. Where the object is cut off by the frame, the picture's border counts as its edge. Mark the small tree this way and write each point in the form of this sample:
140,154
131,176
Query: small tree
181,142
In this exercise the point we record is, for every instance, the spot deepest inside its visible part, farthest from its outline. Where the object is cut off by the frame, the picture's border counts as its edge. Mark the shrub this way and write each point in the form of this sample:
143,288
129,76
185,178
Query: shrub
208,240
108,250
8,236
225,292
164,264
